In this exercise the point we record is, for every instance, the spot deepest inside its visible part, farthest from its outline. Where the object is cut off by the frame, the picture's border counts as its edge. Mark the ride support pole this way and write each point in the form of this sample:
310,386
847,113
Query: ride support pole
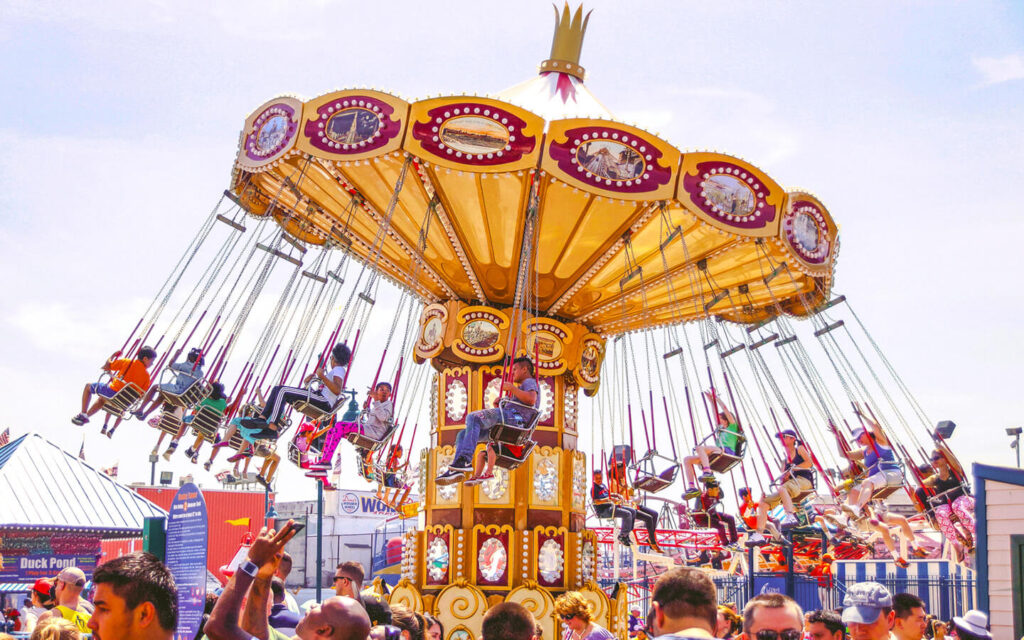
319,540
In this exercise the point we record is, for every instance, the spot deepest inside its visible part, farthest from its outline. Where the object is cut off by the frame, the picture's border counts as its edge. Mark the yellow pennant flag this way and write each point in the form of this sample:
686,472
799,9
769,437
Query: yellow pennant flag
241,522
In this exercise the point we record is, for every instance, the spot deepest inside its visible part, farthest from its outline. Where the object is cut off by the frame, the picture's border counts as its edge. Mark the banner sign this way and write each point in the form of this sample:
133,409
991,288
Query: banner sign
187,533
28,556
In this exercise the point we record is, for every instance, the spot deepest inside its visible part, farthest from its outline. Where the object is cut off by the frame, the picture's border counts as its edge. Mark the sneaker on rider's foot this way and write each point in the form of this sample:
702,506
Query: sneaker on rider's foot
654,547
194,458
189,452
707,475
80,419
787,522
171,448
451,476
625,539
901,562
465,466
208,464
691,492
103,431
756,540
110,432
138,415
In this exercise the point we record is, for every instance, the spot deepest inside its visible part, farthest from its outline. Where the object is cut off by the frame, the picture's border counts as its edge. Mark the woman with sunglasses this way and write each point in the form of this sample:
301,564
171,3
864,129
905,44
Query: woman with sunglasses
576,613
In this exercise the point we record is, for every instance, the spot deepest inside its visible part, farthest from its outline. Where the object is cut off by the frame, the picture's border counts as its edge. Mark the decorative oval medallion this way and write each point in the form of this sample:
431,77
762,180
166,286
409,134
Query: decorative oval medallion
437,559
272,133
353,125
474,135
549,561
492,559
545,480
456,400
806,231
609,160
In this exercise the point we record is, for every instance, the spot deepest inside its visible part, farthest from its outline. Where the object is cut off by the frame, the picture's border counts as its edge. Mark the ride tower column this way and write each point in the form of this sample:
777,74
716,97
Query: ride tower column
519,536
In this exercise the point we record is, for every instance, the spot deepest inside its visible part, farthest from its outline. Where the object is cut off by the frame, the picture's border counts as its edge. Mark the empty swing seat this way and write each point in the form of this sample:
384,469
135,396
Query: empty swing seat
188,398
506,458
206,422
647,477
124,401
884,492
515,432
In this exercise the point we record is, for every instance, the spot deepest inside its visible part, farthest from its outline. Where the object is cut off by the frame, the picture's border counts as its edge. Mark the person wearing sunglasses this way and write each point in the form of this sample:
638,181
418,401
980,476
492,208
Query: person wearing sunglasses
576,613
685,605
868,612
772,616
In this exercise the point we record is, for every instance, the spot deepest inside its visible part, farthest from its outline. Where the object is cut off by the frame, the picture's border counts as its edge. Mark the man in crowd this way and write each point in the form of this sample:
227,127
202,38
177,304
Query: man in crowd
283,569
773,615
509,621
135,599
41,601
867,611
70,605
685,605
348,581
281,618
825,624
337,618
911,620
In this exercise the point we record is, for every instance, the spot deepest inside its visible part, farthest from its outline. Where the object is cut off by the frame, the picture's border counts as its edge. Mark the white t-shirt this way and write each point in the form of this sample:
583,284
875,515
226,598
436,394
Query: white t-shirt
338,374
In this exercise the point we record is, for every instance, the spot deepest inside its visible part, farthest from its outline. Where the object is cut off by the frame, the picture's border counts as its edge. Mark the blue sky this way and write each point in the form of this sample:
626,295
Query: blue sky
120,123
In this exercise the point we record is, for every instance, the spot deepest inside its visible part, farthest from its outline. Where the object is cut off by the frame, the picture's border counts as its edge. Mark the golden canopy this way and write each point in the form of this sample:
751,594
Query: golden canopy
630,232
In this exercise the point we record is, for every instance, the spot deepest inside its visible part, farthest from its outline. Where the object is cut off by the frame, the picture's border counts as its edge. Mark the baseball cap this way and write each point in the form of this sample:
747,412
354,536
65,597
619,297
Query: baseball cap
73,576
857,432
43,587
864,602
786,432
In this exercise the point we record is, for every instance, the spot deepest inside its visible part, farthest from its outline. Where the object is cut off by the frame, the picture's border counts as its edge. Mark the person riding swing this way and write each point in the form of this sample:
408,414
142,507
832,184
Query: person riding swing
523,389
797,478
727,440
123,372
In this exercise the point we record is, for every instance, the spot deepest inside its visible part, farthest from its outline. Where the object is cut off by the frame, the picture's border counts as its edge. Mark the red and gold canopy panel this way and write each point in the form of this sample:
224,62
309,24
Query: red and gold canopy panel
630,232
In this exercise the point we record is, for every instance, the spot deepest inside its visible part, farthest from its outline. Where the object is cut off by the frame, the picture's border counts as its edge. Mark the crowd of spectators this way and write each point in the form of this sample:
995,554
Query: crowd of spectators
135,599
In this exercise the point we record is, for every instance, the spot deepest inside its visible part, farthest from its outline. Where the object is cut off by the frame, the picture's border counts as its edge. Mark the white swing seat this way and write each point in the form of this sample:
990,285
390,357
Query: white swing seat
507,460
206,422
169,422
363,441
190,397
514,432
124,401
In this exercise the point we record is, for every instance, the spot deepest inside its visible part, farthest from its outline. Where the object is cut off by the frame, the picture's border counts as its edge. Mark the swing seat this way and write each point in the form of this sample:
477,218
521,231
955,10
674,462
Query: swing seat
236,440
700,519
723,462
263,448
646,476
884,492
515,432
363,441
803,495
169,421
190,397
124,401
206,422
313,412
506,458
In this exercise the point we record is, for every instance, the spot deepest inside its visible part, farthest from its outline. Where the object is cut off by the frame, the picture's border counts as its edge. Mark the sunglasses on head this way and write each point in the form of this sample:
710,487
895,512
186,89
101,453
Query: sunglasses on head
772,634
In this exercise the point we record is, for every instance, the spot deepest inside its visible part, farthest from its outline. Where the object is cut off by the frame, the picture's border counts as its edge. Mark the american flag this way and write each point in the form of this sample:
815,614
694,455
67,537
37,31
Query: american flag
5,437
81,452
220,476
112,471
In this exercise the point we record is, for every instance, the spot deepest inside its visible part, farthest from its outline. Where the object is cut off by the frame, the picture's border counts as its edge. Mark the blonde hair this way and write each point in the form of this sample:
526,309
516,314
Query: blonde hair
572,603
55,629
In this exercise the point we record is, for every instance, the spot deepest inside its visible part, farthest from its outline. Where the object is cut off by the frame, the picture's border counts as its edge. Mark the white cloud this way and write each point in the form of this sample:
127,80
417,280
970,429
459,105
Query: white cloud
997,70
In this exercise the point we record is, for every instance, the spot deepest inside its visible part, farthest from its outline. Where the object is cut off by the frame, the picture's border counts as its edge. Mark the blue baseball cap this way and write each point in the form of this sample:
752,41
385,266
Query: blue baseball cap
864,602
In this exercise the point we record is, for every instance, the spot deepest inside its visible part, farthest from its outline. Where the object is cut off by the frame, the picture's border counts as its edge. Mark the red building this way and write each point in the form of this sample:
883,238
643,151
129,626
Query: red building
221,506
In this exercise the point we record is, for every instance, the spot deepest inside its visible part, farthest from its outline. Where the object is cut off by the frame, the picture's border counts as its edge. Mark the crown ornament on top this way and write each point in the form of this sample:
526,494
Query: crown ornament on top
567,43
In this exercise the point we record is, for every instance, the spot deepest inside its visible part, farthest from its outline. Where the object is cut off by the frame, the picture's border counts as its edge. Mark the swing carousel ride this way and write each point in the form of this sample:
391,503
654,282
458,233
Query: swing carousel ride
532,223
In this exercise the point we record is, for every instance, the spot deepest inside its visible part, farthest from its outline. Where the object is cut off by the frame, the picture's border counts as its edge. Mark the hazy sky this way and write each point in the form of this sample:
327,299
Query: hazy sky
120,122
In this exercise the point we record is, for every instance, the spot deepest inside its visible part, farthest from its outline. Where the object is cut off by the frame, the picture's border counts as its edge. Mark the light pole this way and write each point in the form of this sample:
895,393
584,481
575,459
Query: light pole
1014,432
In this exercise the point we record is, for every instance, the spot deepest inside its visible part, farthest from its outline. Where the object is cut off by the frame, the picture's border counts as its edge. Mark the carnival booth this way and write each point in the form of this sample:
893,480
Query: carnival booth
57,510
